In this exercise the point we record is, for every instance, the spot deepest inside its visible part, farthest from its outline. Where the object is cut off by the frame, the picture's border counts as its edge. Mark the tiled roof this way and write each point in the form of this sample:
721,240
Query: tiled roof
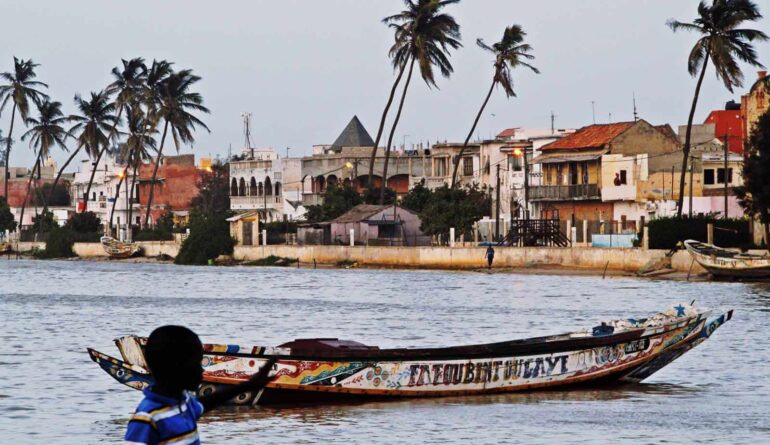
592,136
507,133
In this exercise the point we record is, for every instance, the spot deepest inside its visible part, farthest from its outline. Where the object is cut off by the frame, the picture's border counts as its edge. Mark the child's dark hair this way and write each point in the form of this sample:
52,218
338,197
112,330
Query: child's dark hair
173,353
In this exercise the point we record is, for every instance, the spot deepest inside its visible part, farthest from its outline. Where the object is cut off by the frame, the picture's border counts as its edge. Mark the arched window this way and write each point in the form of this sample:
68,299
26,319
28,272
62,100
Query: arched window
233,187
268,186
261,190
242,187
253,187
277,189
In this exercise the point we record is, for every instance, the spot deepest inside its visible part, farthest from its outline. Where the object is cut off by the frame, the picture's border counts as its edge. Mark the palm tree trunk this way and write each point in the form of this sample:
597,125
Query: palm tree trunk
29,187
129,231
392,131
39,194
382,124
470,133
117,196
6,178
99,158
686,148
155,175
61,171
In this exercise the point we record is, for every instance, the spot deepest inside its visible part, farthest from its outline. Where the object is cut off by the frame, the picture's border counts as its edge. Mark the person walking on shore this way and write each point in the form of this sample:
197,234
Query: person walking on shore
490,255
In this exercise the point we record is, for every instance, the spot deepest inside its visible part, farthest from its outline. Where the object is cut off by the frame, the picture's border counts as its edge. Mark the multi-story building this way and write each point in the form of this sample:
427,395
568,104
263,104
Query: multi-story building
755,103
728,126
256,184
606,172
110,173
347,162
176,184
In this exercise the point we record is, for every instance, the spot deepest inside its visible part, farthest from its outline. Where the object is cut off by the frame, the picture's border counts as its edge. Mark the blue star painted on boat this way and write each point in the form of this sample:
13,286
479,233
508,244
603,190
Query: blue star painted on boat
679,310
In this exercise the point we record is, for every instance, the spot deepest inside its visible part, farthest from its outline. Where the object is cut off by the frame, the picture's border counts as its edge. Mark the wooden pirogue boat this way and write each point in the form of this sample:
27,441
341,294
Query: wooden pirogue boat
727,263
119,249
5,248
321,370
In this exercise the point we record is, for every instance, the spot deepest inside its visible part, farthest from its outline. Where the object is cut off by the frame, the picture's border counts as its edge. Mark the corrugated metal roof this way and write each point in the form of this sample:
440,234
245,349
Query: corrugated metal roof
359,213
592,136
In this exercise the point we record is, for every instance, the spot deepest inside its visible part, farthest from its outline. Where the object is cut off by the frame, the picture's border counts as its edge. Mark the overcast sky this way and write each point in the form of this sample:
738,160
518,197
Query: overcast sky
304,68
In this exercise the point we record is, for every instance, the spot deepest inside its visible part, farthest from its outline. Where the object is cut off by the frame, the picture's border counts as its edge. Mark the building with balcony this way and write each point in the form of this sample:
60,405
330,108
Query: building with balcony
606,172
346,162
109,175
256,184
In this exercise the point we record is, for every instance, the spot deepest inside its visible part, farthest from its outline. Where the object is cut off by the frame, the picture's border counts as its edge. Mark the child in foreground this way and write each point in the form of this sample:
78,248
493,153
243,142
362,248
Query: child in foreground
169,411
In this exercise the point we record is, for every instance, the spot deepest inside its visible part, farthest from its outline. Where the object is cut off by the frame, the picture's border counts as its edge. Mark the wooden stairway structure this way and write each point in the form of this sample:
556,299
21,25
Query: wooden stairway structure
535,232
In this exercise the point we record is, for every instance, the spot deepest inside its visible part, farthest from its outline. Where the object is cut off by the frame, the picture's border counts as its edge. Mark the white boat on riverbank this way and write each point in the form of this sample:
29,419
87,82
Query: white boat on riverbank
726,263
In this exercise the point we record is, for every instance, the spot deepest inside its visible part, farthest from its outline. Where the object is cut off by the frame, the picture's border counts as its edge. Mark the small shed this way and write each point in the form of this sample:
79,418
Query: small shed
313,234
244,228
386,225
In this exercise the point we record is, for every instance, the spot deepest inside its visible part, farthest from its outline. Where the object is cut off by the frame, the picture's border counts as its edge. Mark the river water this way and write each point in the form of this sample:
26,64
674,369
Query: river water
50,311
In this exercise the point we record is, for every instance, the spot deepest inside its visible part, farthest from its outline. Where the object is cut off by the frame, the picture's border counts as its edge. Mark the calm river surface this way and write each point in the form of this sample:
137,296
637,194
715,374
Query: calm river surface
50,392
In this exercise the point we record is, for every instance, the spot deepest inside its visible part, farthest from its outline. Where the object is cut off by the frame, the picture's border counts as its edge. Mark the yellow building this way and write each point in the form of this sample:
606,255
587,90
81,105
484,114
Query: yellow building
755,104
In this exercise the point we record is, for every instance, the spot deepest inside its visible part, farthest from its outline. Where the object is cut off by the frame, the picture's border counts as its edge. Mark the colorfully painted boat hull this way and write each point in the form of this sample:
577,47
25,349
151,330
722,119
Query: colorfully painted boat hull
301,375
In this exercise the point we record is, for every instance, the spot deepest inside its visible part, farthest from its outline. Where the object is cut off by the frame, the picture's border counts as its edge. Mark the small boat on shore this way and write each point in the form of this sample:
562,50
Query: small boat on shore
324,370
119,249
722,262
5,248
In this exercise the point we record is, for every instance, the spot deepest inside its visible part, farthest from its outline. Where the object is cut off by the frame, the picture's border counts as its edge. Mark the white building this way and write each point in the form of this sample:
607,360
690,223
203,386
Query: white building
103,192
256,184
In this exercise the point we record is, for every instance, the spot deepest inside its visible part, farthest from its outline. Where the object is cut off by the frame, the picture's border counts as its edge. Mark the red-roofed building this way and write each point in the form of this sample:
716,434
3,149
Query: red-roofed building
603,172
728,126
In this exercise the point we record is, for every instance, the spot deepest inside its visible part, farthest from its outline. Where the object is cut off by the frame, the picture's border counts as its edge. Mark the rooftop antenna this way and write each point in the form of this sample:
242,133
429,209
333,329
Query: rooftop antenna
553,117
610,118
636,115
230,152
593,111
247,132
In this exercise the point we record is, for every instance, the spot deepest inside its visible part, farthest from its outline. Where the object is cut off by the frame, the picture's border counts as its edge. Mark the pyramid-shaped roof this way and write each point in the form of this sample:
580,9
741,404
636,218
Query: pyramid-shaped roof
354,135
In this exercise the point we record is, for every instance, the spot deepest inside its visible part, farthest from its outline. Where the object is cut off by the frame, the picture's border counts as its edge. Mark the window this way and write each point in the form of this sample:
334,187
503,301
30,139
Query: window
623,177
708,176
467,166
94,198
585,172
721,175
516,164
439,167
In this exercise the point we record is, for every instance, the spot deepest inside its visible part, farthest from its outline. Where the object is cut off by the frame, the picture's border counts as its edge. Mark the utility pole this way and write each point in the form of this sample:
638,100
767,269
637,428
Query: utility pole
497,207
636,115
526,184
726,176
672,185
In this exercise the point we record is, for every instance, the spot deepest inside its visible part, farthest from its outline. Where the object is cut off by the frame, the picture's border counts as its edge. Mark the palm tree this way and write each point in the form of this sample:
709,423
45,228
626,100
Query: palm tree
46,132
401,68
135,150
723,42
510,52
127,86
424,35
173,102
93,125
20,89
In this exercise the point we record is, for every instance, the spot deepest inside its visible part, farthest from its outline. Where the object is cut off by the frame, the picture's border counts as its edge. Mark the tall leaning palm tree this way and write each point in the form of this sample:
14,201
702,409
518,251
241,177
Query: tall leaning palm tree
724,42
174,104
46,131
21,88
510,52
135,150
425,35
93,125
127,86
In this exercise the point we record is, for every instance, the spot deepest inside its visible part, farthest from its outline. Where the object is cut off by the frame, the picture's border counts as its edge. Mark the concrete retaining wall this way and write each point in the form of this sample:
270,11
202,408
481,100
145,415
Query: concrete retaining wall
630,260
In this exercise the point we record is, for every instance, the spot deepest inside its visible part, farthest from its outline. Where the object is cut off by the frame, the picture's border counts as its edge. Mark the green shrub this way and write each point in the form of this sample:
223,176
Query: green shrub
86,222
665,233
59,244
6,217
209,237
44,222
